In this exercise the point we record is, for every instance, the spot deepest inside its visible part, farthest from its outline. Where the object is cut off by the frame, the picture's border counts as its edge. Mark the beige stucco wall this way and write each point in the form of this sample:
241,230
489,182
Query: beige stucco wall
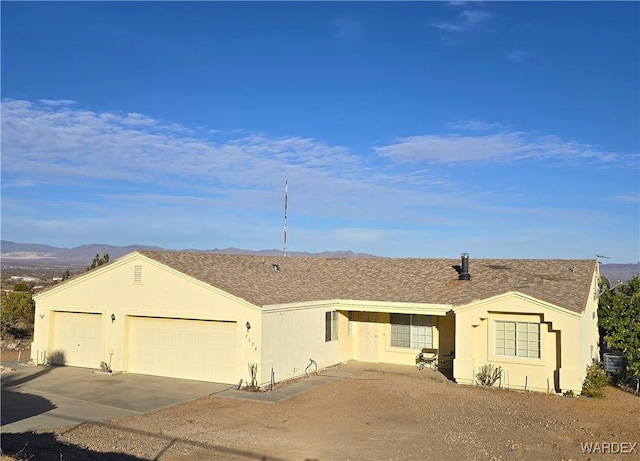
589,335
295,333
163,292
445,326
563,343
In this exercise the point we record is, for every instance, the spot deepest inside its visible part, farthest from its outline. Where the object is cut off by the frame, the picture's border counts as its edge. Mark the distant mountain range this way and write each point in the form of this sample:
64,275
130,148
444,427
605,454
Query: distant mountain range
32,254
622,272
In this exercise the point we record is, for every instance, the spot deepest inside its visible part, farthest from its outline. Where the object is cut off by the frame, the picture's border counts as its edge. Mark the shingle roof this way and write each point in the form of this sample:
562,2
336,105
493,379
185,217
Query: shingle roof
565,283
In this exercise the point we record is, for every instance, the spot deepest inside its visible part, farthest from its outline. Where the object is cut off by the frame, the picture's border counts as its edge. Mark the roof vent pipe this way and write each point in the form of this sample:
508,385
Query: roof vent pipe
464,272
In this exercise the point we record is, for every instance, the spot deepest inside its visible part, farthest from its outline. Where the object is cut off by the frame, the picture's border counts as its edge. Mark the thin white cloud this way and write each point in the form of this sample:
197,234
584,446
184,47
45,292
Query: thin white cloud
466,20
474,17
474,125
633,199
42,140
462,3
346,29
57,102
136,119
452,149
21,183
503,146
518,56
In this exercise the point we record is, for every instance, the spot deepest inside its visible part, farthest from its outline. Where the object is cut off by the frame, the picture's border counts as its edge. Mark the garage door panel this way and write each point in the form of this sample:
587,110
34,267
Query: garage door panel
78,339
182,348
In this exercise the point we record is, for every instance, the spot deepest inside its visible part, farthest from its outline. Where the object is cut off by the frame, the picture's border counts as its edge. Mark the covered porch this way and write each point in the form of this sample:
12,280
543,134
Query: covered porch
396,333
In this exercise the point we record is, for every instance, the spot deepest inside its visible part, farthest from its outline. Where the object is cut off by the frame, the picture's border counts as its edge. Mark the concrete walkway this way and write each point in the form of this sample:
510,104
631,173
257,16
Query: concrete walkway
36,398
343,371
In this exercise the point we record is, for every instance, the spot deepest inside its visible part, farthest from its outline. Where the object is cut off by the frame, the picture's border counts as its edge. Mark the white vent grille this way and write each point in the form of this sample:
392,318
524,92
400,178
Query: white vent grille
137,274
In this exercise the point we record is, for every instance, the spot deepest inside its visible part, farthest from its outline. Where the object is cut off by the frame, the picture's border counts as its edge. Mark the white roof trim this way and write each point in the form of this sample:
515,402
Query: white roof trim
516,294
364,306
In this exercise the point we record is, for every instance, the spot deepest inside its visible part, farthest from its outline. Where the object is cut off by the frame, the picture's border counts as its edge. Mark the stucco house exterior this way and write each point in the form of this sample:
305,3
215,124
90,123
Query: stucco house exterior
208,316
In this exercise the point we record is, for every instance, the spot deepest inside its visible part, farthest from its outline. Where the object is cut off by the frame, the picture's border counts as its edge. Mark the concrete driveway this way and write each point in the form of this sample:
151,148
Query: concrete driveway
54,396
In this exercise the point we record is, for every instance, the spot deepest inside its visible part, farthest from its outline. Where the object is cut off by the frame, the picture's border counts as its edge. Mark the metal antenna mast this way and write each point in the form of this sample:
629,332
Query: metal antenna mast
286,186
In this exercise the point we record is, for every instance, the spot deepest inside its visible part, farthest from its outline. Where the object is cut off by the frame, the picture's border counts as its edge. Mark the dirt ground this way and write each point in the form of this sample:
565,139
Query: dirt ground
383,413
13,355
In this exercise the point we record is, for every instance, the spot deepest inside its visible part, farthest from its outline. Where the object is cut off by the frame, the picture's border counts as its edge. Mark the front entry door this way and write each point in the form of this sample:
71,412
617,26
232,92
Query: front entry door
366,324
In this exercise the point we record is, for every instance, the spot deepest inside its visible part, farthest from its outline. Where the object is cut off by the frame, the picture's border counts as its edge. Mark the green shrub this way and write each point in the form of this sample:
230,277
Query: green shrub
488,375
618,314
596,381
18,310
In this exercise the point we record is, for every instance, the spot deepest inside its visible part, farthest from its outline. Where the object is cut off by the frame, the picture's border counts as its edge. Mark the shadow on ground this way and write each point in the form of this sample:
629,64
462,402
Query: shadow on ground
45,447
17,406
10,380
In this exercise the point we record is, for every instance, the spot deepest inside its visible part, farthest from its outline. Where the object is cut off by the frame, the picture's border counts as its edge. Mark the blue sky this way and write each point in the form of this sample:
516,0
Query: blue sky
418,129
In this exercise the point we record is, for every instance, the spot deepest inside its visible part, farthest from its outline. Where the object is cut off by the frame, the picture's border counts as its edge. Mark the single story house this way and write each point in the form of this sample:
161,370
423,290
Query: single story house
207,317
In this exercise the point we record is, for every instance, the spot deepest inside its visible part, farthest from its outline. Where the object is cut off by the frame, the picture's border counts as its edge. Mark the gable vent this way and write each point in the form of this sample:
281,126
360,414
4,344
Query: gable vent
137,274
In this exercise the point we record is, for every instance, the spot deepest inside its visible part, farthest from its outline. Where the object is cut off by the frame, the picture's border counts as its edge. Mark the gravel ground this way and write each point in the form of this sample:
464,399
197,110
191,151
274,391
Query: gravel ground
385,413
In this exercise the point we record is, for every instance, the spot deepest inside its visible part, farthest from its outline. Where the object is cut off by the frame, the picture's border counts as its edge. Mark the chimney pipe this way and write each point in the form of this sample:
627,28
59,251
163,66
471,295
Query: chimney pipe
464,272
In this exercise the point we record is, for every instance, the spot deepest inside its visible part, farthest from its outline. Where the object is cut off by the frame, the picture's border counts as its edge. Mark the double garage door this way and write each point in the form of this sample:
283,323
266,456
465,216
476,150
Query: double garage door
181,348
178,348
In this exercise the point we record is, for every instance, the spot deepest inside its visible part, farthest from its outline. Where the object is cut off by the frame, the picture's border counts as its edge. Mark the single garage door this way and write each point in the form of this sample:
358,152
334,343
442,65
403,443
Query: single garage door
77,339
202,350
